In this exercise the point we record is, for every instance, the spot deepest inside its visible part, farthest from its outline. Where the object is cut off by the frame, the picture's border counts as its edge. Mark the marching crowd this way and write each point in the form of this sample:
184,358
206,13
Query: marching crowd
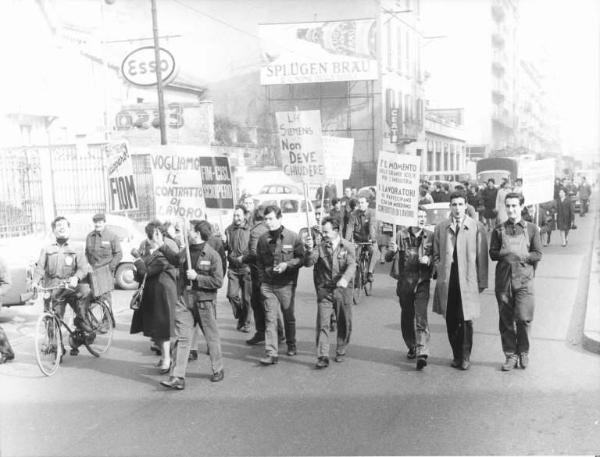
181,269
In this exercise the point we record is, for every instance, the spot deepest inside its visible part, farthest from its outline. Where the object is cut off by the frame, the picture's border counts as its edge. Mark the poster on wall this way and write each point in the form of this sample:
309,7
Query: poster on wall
122,194
301,145
311,52
397,196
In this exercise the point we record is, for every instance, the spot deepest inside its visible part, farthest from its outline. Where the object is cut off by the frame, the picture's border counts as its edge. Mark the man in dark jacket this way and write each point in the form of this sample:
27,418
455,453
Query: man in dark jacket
103,248
412,253
488,197
197,290
239,288
516,245
362,228
279,256
334,263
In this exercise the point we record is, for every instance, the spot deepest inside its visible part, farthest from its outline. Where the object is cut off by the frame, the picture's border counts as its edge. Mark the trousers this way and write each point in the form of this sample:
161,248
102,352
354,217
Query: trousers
460,331
239,294
413,317
336,302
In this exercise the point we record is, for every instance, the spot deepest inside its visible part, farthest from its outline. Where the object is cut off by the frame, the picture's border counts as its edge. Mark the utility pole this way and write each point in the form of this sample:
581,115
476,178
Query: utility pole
159,82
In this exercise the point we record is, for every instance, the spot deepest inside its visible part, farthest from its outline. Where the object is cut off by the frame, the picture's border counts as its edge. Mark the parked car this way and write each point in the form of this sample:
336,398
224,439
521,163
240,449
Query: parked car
280,189
21,254
293,209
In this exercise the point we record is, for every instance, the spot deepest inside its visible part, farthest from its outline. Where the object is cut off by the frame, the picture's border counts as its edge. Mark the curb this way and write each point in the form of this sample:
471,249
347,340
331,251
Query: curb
591,328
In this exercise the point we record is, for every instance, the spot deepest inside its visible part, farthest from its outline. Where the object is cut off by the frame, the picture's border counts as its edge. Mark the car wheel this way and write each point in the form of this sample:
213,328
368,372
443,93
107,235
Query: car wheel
125,277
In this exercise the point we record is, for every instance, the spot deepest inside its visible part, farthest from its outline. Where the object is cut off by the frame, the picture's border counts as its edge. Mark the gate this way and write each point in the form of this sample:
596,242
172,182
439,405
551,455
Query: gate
21,205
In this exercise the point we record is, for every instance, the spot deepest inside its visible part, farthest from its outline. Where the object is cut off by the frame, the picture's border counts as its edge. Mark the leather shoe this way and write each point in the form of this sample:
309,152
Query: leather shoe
465,365
245,329
322,362
524,360
292,350
421,363
339,358
411,354
174,383
218,376
74,351
510,363
193,355
456,363
269,360
256,339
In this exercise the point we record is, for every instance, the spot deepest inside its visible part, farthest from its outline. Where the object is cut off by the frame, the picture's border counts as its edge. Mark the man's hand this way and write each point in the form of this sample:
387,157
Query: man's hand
158,238
309,243
392,246
343,283
73,280
280,268
424,260
192,275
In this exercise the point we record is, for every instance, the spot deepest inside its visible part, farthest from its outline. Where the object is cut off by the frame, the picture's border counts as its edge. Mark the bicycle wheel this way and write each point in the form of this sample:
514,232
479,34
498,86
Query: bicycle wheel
366,284
48,344
356,293
102,322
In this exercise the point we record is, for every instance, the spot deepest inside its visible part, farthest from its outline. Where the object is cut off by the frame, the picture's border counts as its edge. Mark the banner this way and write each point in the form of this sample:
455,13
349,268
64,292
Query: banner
337,153
121,185
177,175
538,180
216,182
397,196
301,145
312,52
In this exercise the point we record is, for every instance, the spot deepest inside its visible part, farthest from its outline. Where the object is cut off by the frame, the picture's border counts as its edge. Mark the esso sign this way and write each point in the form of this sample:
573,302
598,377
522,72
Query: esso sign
139,67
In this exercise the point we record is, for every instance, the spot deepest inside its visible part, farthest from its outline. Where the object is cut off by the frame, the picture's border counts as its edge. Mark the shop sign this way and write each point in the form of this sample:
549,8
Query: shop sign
139,66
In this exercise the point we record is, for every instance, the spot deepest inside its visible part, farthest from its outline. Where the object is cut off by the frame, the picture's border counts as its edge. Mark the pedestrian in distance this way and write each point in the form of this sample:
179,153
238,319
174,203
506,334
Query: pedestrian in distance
196,303
239,285
547,222
362,228
565,216
516,245
248,204
155,316
103,249
500,196
585,192
460,256
412,254
6,350
334,267
337,212
279,256
488,197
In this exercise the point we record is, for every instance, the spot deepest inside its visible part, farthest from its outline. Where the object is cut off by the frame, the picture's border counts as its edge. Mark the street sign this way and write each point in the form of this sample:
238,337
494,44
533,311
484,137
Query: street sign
139,66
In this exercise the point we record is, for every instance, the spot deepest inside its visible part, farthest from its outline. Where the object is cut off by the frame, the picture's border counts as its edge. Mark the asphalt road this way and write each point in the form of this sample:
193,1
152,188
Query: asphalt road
374,403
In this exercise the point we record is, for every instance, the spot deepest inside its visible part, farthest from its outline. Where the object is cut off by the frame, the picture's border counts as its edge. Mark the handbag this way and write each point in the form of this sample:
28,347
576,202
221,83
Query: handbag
136,298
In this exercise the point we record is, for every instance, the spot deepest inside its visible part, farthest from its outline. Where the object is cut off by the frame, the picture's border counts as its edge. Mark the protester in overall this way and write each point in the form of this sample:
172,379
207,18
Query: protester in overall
334,267
516,245
239,285
565,216
6,350
460,256
155,316
196,303
412,257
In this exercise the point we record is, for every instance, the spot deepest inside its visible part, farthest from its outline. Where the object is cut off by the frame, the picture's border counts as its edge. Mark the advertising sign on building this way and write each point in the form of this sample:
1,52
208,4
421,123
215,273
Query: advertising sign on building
397,196
217,185
337,153
301,145
311,52
538,180
177,176
121,186
139,66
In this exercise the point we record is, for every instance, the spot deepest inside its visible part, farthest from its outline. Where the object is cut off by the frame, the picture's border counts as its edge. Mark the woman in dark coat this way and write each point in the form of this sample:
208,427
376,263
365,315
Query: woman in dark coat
565,215
155,317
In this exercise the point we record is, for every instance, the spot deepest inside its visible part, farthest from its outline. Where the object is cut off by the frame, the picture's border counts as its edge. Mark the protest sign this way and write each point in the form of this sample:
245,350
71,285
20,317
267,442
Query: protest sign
122,195
397,196
301,145
177,174
337,153
216,182
538,180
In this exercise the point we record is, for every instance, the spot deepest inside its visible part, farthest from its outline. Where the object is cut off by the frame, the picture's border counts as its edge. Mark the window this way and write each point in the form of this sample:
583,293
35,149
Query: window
289,206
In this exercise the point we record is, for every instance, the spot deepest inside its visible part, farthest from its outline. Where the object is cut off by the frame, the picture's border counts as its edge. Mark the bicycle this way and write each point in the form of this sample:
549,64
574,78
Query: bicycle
361,282
48,338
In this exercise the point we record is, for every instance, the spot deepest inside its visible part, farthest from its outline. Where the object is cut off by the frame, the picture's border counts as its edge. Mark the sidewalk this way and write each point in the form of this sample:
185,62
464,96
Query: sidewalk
591,329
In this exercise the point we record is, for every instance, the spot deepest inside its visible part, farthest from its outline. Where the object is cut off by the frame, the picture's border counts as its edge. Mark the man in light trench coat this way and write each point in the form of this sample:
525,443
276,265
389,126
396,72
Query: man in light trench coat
461,260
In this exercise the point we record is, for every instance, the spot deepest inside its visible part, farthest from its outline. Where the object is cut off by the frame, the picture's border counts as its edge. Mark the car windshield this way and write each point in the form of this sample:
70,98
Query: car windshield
436,215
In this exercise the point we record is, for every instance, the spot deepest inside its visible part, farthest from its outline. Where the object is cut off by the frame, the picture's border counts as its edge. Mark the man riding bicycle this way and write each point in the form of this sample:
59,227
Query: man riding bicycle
362,228
60,263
